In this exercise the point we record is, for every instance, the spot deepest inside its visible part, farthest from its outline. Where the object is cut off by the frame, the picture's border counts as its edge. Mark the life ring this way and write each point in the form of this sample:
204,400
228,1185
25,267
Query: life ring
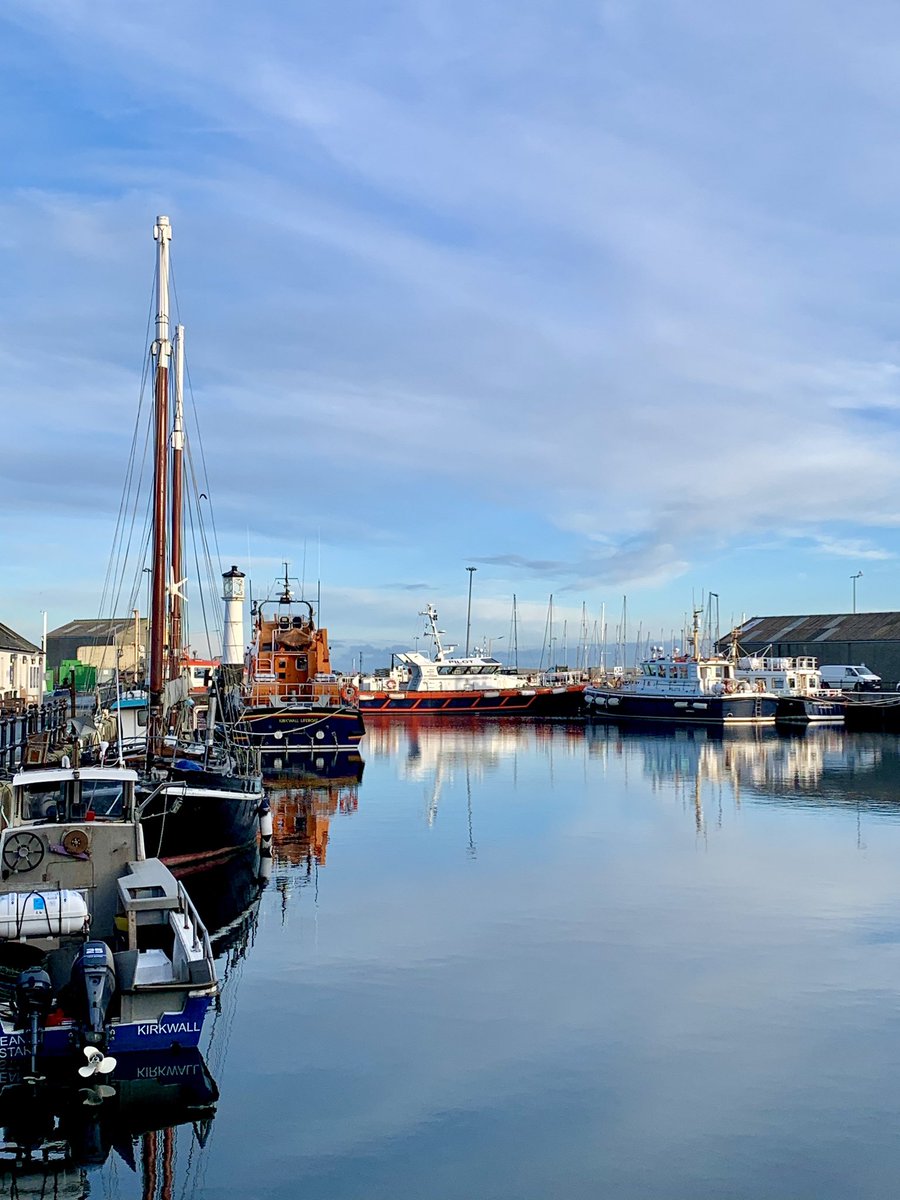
348,693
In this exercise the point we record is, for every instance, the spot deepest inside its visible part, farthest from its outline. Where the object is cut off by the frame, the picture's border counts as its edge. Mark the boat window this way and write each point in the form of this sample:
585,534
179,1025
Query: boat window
103,797
44,802
444,670
460,670
141,717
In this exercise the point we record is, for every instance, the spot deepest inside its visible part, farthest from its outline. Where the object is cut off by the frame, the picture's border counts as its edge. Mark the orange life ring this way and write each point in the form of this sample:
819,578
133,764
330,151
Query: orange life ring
348,693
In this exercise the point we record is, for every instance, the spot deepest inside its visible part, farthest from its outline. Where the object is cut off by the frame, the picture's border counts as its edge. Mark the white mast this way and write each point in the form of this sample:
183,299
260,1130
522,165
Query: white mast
430,614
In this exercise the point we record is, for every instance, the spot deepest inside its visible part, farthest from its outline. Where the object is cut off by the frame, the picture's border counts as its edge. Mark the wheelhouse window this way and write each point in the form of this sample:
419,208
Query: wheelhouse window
44,802
103,798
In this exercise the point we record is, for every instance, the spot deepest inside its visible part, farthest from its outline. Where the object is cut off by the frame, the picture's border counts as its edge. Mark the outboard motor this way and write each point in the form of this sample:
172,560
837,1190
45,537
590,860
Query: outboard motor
34,999
94,984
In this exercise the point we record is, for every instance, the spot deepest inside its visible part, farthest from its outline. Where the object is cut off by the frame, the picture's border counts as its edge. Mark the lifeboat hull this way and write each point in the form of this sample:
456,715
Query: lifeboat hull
298,730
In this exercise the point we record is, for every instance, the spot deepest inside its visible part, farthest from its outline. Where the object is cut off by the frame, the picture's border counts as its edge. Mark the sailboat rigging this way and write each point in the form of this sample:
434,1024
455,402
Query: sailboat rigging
201,795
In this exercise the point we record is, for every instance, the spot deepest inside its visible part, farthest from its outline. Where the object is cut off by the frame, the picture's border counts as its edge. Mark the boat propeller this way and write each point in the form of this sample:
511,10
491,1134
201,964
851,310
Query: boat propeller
97,1063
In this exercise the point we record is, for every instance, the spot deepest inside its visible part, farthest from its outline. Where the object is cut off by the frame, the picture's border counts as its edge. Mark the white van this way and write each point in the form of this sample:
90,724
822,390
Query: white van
849,679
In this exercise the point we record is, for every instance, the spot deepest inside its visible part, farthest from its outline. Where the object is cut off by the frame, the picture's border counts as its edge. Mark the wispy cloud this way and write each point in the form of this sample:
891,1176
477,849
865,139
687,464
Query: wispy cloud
607,293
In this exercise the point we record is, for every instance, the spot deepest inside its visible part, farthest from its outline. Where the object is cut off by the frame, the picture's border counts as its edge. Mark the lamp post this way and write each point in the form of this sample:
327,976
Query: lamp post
853,579
471,571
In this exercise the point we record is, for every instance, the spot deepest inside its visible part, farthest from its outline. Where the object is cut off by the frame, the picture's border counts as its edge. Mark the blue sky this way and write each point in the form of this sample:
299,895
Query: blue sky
600,298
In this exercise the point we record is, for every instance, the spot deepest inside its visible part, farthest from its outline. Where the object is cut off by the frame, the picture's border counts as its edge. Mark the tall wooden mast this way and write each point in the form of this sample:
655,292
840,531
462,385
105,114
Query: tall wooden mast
162,351
175,553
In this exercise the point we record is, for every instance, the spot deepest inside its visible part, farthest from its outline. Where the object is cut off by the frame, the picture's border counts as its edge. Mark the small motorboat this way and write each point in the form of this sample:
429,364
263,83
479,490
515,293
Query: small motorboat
102,951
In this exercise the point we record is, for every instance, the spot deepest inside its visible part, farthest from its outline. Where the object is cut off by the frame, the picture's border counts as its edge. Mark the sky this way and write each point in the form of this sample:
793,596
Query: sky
599,298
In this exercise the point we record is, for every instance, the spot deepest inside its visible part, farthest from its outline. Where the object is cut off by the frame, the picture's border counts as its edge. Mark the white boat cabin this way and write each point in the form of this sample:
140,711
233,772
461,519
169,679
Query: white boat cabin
683,676
443,673
782,676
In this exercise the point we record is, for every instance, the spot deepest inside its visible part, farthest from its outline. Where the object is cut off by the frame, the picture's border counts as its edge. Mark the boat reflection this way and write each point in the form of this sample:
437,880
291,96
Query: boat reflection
464,737
52,1131
227,897
818,767
304,800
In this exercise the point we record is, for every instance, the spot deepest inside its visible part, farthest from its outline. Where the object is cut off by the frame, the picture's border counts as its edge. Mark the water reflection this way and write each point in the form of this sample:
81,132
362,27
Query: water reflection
304,800
55,1129
521,931
819,767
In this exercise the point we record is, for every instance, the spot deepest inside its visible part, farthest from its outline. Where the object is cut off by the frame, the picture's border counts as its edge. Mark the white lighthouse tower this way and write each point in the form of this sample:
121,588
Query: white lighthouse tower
233,639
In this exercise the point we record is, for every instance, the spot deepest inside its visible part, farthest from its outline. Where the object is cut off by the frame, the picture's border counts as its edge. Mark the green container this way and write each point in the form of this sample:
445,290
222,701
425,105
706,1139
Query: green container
85,676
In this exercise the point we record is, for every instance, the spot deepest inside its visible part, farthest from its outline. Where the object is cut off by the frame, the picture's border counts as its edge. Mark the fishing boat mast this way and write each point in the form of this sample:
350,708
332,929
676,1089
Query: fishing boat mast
162,352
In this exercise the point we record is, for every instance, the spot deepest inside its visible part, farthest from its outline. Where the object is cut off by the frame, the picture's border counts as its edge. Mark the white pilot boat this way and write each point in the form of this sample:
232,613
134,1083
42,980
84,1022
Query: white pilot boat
477,685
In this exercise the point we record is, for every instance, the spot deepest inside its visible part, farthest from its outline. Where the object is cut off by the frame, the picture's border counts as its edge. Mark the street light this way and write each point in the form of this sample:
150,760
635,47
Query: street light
471,571
853,579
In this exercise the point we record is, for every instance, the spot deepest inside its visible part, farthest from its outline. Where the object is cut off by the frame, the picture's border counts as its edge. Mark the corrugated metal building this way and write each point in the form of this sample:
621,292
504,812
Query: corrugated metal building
870,638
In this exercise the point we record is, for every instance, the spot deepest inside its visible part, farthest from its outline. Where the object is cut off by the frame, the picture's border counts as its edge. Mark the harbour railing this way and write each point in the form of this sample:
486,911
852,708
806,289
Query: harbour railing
44,724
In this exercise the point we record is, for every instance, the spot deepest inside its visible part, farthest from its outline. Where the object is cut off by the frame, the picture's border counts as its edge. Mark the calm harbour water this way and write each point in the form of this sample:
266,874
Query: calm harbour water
548,961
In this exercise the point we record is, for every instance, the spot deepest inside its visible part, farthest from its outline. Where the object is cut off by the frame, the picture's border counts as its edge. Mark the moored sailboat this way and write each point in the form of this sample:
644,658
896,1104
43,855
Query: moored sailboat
199,796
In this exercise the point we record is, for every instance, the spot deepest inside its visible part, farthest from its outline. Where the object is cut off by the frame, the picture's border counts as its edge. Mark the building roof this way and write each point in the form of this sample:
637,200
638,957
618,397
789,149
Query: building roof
93,629
830,627
10,640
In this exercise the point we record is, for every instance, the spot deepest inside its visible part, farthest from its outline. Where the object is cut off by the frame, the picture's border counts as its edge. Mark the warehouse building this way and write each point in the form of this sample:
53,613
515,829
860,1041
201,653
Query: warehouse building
854,638
119,642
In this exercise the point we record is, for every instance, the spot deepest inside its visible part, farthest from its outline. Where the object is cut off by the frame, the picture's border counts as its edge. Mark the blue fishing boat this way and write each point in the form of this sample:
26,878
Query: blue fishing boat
686,688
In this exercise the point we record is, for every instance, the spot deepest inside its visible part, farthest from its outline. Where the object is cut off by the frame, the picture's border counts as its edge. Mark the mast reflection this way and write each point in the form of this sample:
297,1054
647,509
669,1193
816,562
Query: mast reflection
816,767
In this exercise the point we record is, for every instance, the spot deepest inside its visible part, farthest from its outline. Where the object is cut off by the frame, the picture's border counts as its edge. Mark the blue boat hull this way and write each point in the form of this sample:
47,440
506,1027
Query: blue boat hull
736,709
801,710
173,1031
274,731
